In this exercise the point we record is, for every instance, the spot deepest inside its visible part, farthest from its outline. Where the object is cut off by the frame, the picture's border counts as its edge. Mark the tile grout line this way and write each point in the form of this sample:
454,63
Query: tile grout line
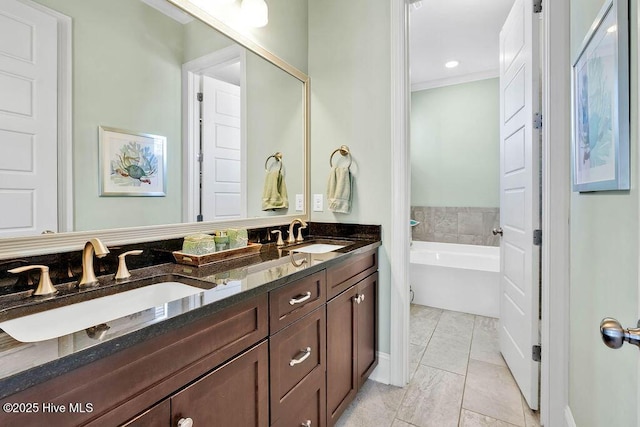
466,374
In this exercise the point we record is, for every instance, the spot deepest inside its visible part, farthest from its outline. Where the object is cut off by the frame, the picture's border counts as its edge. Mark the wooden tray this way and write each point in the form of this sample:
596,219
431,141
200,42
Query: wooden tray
198,260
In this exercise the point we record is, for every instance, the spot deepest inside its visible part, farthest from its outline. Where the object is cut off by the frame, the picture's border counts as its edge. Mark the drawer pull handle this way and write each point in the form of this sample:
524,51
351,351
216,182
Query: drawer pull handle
185,422
305,355
294,301
306,423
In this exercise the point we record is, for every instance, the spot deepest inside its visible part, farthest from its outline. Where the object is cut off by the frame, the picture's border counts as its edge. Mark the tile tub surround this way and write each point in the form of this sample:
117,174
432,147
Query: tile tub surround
466,225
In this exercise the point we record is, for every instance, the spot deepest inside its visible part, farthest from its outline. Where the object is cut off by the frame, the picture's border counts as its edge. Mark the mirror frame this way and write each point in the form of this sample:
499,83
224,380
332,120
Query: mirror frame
15,247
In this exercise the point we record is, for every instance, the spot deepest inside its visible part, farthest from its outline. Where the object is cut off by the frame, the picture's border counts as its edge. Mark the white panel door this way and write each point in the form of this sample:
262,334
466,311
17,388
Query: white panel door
519,196
28,120
222,169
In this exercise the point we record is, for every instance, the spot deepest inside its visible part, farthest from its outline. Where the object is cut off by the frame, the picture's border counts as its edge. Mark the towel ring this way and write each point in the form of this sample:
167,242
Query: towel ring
277,157
344,151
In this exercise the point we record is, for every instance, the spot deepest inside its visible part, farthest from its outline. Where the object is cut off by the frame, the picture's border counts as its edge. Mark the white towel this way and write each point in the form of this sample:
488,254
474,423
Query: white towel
339,190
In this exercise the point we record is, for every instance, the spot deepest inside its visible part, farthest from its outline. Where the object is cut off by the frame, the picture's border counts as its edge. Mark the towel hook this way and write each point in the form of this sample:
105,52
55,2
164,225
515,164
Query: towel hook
344,151
277,156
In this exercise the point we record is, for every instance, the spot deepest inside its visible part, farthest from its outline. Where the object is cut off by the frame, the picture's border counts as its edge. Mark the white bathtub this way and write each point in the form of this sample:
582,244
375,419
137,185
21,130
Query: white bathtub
456,277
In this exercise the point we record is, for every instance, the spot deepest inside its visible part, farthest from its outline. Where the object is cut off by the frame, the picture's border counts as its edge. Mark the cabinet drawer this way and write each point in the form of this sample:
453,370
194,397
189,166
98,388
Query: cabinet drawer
308,406
350,272
297,352
294,301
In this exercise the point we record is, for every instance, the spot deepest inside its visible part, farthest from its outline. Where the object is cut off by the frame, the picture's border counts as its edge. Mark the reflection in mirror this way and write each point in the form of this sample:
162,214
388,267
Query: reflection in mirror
146,70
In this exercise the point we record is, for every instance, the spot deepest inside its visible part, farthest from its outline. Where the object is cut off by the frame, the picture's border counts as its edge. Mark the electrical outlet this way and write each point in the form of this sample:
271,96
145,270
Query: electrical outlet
317,202
299,202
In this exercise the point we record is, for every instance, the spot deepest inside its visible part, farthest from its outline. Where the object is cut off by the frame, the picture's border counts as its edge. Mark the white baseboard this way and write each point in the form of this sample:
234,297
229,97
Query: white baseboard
568,418
382,373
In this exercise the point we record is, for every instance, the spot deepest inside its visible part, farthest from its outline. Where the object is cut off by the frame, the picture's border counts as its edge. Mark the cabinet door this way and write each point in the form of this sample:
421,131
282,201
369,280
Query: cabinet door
236,394
342,382
157,416
367,327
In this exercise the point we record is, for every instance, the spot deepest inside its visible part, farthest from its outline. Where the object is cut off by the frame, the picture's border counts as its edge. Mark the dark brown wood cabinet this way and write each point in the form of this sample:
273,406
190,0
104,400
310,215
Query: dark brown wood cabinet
342,384
352,343
235,394
157,416
286,358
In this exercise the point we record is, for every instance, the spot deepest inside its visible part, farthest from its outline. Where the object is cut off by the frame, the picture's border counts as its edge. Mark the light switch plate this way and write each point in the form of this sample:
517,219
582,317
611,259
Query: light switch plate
299,202
318,200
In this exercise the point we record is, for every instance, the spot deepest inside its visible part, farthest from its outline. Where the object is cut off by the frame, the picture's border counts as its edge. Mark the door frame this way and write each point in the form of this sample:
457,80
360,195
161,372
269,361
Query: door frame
65,115
555,221
191,129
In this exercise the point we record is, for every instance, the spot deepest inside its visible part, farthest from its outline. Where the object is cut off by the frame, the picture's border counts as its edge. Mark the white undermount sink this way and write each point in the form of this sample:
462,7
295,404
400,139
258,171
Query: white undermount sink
61,321
318,248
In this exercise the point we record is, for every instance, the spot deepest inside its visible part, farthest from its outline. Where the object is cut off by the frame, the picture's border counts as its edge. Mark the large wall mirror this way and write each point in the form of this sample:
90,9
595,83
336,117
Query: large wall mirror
103,101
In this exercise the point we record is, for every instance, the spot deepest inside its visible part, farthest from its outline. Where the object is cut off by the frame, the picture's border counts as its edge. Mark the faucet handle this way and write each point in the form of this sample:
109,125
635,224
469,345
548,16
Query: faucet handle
123,271
280,241
300,238
45,287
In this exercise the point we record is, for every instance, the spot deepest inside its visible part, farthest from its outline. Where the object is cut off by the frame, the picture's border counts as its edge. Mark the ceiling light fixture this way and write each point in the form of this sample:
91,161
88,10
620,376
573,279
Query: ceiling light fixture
255,13
452,64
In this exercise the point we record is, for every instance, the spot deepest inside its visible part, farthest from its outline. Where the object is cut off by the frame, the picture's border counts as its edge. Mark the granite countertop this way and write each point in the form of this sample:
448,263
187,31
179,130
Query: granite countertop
223,284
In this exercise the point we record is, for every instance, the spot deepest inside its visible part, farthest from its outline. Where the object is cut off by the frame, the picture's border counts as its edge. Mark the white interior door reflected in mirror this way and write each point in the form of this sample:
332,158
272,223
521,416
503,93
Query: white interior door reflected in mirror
28,120
215,147
223,155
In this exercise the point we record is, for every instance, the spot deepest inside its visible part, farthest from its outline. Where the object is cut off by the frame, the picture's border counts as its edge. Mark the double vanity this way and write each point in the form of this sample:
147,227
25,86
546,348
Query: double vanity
283,337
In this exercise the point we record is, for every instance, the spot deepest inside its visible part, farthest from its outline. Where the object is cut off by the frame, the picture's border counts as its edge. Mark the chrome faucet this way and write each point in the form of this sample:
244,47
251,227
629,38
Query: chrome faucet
292,238
88,274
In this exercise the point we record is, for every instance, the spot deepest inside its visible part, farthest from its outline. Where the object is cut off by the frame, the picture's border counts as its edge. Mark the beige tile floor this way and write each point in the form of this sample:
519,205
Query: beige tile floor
458,378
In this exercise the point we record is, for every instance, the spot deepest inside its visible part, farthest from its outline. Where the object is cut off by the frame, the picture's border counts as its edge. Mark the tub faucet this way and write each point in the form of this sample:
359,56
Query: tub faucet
292,238
92,246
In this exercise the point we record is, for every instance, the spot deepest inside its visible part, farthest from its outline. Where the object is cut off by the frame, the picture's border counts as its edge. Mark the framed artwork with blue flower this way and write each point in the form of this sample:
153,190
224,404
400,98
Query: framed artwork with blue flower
131,164
600,146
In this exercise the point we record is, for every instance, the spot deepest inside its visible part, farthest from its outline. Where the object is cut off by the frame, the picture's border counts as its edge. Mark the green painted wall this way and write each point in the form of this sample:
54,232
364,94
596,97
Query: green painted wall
349,65
117,45
603,383
455,145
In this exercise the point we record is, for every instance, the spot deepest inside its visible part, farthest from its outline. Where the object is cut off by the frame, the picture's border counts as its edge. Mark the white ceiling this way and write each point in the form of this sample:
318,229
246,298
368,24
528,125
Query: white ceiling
463,30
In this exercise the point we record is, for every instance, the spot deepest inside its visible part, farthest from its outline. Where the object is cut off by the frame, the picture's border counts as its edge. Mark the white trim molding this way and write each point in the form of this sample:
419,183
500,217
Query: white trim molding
556,195
382,373
450,81
568,418
400,186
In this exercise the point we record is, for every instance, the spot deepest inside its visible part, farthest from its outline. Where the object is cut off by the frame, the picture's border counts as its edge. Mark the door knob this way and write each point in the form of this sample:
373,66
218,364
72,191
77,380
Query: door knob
497,231
614,335
185,422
